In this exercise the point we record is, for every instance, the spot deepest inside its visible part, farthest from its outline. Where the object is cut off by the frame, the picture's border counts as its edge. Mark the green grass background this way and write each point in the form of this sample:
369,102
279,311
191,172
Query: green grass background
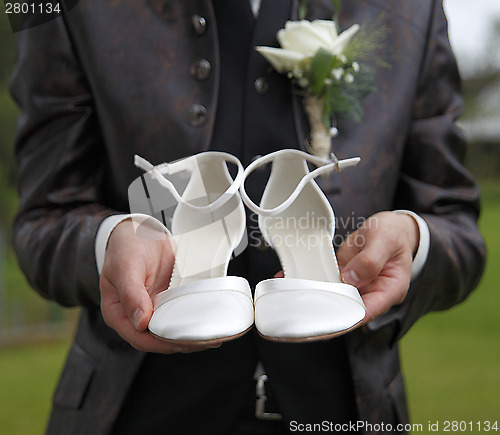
451,359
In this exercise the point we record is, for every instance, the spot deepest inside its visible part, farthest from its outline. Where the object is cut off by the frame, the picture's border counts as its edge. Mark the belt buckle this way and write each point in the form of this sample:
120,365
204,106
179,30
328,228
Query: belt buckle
260,403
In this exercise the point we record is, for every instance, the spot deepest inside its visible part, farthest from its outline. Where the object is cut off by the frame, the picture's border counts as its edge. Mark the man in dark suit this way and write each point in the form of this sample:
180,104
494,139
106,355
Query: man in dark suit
166,79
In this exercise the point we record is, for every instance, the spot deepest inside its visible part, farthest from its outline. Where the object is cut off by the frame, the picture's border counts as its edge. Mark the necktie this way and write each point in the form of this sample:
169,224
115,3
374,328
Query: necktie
235,22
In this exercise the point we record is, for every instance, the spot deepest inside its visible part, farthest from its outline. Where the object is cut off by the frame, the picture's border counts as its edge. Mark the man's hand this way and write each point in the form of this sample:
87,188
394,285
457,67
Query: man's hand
377,259
136,268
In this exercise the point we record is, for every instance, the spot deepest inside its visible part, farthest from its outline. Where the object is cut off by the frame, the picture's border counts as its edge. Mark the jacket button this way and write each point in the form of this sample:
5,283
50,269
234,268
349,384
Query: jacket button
201,69
199,25
197,115
261,86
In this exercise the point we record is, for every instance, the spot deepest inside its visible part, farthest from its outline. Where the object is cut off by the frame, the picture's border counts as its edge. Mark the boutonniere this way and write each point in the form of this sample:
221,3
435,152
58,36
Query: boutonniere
324,65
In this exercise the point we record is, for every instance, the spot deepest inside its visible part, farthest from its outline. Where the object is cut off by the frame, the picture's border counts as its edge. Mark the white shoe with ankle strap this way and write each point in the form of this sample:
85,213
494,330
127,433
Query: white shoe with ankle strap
296,219
202,305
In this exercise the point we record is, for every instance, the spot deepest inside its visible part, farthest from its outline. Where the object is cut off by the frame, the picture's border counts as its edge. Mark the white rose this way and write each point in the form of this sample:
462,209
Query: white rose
300,40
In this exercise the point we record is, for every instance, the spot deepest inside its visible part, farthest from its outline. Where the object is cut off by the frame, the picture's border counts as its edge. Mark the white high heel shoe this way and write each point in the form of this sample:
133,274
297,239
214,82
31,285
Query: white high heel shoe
296,219
202,304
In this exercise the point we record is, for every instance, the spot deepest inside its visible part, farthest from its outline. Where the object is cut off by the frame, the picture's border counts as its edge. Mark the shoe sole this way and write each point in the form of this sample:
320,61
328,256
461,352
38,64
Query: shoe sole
210,342
311,338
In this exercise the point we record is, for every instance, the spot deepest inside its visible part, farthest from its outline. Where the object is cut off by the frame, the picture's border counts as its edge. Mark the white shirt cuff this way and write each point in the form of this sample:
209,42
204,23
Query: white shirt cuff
423,245
110,223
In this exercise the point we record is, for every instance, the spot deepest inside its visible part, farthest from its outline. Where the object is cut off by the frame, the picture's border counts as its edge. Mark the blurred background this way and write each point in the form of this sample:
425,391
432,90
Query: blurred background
451,359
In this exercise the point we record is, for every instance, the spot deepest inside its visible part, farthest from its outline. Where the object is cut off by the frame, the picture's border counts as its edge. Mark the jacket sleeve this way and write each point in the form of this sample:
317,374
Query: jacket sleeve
435,185
61,156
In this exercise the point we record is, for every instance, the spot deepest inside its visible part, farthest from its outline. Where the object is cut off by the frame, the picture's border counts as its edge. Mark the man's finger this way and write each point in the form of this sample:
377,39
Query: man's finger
376,304
366,265
347,250
381,296
127,295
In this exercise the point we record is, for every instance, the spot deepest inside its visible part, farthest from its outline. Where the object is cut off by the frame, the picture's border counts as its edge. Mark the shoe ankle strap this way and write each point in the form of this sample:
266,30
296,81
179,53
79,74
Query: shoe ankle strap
187,163
323,166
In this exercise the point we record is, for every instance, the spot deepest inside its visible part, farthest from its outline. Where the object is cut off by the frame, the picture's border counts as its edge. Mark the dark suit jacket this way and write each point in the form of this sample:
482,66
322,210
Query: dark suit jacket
114,78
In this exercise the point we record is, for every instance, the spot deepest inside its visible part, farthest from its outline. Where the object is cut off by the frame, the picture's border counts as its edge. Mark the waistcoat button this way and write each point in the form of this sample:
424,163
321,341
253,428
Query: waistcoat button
201,69
261,86
197,115
199,24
